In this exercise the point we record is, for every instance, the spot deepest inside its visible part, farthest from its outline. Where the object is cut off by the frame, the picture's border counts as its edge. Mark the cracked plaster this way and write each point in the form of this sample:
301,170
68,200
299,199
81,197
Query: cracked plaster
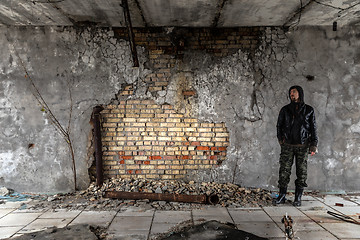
244,90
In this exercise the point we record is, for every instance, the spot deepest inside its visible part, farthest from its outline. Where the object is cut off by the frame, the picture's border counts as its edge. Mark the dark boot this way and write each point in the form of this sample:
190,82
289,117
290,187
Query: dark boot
298,195
281,198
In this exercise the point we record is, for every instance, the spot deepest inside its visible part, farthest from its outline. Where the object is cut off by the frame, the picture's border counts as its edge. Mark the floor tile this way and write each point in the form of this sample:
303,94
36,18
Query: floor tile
350,211
60,213
135,211
18,219
44,223
343,230
14,205
314,235
261,229
283,210
96,218
6,232
157,228
312,205
171,216
239,216
211,213
133,227
322,216
354,198
301,224
331,200
4,212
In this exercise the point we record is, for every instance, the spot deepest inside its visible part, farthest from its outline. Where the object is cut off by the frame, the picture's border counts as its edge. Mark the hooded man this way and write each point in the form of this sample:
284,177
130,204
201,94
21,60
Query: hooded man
296,133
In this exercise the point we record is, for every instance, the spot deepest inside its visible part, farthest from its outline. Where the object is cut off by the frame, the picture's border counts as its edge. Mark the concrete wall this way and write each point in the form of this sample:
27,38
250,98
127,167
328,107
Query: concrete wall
244,89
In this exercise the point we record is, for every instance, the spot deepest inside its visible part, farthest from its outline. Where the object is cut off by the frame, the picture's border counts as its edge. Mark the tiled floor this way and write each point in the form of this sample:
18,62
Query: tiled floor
311,220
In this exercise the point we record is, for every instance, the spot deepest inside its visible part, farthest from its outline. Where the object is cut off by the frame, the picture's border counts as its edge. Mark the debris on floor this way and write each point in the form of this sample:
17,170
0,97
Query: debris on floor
230,195
76,232
213,230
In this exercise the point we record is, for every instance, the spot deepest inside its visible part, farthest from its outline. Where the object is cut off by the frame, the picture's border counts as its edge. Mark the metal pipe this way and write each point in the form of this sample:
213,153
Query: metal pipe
98,145
124,4
212,199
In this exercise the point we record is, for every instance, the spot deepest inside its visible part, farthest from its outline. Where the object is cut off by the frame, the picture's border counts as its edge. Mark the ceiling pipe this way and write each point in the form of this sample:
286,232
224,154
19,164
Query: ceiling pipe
125,6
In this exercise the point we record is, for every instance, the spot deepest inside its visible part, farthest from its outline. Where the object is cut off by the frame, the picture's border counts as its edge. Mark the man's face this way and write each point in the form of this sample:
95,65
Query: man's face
294,95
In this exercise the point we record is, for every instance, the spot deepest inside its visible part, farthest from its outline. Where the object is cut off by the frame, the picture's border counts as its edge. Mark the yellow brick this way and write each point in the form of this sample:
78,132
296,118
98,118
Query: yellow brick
109,125
150,139
172,129
160,129
160,120
120,138
110,153
110,134
209,144
140,157
162,115
129,162
137,124
151,124
191,167
158,148
173,120
171,149
146,115
189,129
177,167
147,111
118,148
204,129
130,148
203,139
207,134
152,176
193,139
129,119
152,106
184,125
207,125
216,139
139,143
166,177
190,120
222,134
164,138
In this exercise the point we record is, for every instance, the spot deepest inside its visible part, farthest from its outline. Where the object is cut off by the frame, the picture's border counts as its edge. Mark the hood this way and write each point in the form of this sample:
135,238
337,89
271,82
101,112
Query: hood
300,90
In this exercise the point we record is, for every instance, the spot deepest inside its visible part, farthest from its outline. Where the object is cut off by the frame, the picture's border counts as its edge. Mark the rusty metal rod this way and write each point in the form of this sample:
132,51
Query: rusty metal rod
124,4
98,145
212,199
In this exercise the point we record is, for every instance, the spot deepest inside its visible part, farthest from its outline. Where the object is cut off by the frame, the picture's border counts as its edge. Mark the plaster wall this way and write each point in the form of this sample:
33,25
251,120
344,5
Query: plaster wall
244,90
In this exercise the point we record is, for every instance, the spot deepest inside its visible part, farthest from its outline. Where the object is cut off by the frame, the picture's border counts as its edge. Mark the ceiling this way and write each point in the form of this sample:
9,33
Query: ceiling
181,13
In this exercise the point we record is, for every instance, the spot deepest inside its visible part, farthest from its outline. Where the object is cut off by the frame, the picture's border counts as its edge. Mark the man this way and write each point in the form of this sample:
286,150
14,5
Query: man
296,133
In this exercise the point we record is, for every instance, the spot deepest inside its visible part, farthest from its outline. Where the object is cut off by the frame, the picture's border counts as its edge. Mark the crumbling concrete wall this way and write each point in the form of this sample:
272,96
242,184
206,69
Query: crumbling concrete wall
245,90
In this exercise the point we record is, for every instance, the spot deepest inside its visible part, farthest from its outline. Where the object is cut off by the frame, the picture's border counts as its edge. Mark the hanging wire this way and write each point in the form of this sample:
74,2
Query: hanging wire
339,8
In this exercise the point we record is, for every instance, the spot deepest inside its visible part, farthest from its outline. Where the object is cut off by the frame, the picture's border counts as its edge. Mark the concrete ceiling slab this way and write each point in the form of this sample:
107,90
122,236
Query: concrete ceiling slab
181,13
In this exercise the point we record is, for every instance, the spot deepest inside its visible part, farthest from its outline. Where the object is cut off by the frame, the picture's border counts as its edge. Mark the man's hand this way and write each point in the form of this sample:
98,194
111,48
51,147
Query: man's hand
313,150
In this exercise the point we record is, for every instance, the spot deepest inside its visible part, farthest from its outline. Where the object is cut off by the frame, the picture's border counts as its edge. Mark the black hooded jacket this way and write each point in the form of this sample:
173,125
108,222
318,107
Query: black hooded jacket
296,122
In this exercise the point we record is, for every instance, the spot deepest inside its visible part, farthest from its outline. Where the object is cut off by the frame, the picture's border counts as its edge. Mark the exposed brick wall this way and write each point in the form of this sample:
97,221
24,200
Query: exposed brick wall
144,140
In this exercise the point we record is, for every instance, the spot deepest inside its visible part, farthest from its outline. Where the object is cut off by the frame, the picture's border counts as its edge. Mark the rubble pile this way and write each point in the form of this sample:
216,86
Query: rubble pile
230,195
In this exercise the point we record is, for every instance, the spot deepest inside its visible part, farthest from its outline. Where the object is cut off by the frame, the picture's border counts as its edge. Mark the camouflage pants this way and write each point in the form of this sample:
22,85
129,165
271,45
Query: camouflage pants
288,153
